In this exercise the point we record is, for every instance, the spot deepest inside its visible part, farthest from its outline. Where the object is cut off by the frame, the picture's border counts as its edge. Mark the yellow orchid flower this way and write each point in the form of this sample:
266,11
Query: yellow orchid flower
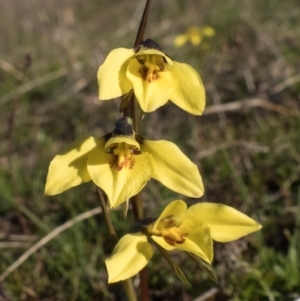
154,77
122,165
195,35
178,227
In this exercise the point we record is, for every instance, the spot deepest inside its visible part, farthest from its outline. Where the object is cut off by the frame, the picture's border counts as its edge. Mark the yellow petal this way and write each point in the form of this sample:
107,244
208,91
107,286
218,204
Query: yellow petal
152,95
112,74
150,51
176,208
193,30
131,254
173,168
208,31
161,241
195,39
119,139
189,94
180,40
68,168
198,240
197,234
225,223
119,185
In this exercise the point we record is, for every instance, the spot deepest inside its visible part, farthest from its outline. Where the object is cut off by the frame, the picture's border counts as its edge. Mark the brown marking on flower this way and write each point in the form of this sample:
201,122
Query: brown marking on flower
120,162
147,75
173,236
151,65
171,241
170,222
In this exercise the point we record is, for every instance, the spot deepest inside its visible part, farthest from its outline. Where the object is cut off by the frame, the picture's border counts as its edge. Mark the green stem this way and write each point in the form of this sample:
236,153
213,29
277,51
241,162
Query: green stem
127,284
137,206
129,290
110,227
136,115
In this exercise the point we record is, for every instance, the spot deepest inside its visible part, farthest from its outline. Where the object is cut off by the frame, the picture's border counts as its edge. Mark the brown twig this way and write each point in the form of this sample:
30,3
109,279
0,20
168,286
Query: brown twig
246,104
6,66
289,81
246,144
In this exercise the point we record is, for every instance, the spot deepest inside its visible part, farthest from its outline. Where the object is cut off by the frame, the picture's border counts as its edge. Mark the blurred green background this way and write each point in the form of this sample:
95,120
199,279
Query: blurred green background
246,144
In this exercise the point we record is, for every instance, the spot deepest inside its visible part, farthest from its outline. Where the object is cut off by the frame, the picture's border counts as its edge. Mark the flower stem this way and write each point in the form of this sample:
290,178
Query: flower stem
144,287
137,206
143,23
134,110
127,284
111,230
135,113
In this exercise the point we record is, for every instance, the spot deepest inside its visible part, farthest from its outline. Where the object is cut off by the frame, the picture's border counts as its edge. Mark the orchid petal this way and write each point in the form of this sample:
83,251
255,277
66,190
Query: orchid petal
198,240
226,223
180,40
112,74
151,95
195,39
197,235
173,169
151,51
189,94
131,254
119,185
176,209
68,168
161,241
122,139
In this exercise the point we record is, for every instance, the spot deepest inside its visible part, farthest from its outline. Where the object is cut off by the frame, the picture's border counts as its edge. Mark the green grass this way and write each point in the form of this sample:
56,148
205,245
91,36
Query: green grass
256,168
